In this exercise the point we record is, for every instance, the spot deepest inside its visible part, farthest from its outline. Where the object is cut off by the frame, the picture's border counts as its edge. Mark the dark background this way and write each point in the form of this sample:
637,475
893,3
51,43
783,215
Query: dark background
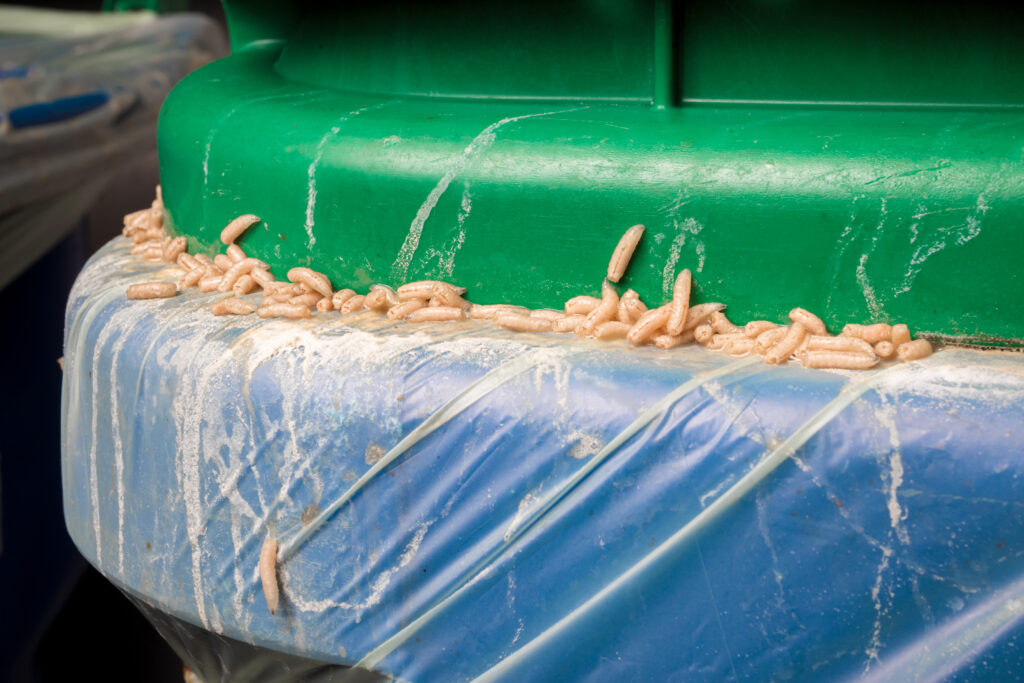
59,619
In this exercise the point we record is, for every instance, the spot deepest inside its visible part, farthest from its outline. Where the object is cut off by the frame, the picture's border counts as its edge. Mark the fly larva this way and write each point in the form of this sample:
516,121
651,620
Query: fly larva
671,341
914,350
223,262
703,334
262,277
209,283
436,314
236,227
812,322
188,261
325,305
340,297
522,323
308,300
839,360
886,350
203,259
700,313
235,253
140,236
317,282
581,305
283,288
604,312
630,307
268,572
402,310
768,339
648,325
872,334
152,290
722,325
443,294
155,252
380,298
567,324
739,346
231,306
277,310
237,270
547,314
624,252
754,328
718,341
452,301
816,342
424,289
680,305
175,248
244,285
613,329
353,304
900,335
490,311
140,248
785,347
190,279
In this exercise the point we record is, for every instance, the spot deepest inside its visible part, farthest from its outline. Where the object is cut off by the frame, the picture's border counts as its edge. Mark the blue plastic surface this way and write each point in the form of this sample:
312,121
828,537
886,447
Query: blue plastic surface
457,502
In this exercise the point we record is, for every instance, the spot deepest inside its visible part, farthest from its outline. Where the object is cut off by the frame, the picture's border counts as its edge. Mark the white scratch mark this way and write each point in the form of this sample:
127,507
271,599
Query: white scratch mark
311,172
688,227
448,262
481,142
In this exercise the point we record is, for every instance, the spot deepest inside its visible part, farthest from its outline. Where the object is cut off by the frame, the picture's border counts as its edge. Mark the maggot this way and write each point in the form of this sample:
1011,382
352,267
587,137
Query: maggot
722,324
567,324
237,270
175,248
604,312
755,327
231,306
581,305
817,342
353,304
190,279
900,335
768,339
244,285
648,325
914,350
630,307
700,313
277,310
316,281
703,334
611,329
424,289
152,290
680,305
340,297
235,253
381,298
436,314
886,350
671,341
624,252
872,334
236,227
812,322
547,314
839,360
785,347
402,310
522,323
490,311
268,572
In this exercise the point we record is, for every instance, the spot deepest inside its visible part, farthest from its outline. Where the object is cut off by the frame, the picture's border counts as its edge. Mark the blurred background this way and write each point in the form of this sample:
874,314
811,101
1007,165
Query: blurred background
81,84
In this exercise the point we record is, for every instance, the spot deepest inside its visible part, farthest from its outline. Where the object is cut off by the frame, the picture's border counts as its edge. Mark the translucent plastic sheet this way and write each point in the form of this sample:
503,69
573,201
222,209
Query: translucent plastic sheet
79,95
456,502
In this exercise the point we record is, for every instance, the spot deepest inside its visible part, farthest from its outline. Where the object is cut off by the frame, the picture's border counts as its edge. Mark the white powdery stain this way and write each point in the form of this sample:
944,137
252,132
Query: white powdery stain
886,415
958,233
688,227
869,292
528,501
311,172
876,600
481,142
380,583
448,262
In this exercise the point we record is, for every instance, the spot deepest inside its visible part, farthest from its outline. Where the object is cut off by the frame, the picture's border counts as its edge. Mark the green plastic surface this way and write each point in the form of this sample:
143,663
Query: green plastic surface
507,148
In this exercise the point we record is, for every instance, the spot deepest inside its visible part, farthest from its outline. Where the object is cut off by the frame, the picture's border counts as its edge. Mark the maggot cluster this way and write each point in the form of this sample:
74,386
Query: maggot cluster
804,337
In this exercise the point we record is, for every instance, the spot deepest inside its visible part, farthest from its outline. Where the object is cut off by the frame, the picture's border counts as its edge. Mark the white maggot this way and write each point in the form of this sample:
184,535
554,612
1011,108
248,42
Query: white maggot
785,347
872,334
152,290
318,282
277,310
522,323
648,325
812,322
231,306
611,329
436,314
236,227
402,310
604,312
914,350
581,305
680,305
624,252
839,360
268,573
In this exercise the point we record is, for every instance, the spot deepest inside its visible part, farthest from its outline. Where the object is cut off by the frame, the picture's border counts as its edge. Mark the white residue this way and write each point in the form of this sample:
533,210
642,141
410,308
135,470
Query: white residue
689,227
480,143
